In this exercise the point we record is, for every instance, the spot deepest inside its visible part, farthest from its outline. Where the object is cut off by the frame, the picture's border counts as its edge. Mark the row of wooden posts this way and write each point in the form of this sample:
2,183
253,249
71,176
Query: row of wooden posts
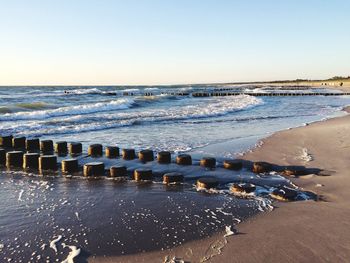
22,152
257,94
33,154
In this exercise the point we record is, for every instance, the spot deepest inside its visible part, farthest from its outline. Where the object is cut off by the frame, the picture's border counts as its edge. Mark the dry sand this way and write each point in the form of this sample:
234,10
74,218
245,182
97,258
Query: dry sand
306,231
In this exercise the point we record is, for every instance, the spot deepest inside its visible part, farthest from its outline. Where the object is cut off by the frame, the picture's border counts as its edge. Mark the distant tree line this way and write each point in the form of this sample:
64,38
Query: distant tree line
339,78
335,78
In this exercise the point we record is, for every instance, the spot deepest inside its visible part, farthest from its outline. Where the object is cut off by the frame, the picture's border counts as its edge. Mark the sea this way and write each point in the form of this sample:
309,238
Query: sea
54,218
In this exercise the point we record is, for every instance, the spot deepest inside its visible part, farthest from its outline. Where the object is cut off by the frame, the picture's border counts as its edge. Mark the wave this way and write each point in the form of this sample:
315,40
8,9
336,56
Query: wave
94,124
36,93
105,91
207,108
279,89
4,109
119,104
210,107
20,106
42,128
84,91
151,89
92,91
53,93
33,105
184,109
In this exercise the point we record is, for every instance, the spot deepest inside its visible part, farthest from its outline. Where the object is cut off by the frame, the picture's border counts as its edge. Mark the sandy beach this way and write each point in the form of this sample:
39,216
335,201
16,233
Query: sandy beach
305,231
342,84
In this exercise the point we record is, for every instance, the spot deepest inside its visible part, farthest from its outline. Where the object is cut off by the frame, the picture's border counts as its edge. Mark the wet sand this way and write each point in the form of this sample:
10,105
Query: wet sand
305,231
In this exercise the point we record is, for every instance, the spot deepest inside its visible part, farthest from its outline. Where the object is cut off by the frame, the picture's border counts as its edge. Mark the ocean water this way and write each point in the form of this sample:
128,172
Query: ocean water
51,218
159,122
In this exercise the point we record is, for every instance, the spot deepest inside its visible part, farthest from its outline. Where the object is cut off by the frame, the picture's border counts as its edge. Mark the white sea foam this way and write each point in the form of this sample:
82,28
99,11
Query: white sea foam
228,230
305,155
77,216
74,252
53,243
191,109
219,209
264,204
214,107
256,90
20,195
85,91
209,108
118,104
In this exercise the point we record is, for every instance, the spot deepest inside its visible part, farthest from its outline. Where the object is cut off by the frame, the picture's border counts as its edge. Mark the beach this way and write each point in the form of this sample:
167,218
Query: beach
174,131
197,225
307,231
304,231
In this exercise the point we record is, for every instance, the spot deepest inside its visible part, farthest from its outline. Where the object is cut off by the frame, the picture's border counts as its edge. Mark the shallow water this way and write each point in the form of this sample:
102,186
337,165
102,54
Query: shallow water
108,217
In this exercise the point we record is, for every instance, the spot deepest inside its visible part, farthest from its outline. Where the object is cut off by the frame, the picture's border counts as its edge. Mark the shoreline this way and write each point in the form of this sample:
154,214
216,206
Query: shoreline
280,235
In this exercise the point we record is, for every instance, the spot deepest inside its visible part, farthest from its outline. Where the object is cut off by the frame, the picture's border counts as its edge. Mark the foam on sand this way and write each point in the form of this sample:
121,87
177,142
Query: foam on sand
305,155
229,231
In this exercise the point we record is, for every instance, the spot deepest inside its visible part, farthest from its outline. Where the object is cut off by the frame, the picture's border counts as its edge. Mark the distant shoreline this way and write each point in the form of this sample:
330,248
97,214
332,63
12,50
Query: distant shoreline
327,83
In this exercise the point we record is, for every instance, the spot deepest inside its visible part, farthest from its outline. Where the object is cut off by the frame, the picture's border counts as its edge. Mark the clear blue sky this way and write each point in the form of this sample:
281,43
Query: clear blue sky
171,41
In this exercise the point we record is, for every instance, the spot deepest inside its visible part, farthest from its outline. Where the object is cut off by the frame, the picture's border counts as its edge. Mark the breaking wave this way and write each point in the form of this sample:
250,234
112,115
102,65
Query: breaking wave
74,119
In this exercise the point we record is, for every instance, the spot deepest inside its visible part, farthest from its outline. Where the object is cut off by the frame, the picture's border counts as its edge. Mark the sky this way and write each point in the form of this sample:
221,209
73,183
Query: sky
146,42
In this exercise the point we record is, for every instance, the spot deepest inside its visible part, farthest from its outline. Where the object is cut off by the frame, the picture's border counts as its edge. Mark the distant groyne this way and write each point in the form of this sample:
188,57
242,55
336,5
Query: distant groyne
227,93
